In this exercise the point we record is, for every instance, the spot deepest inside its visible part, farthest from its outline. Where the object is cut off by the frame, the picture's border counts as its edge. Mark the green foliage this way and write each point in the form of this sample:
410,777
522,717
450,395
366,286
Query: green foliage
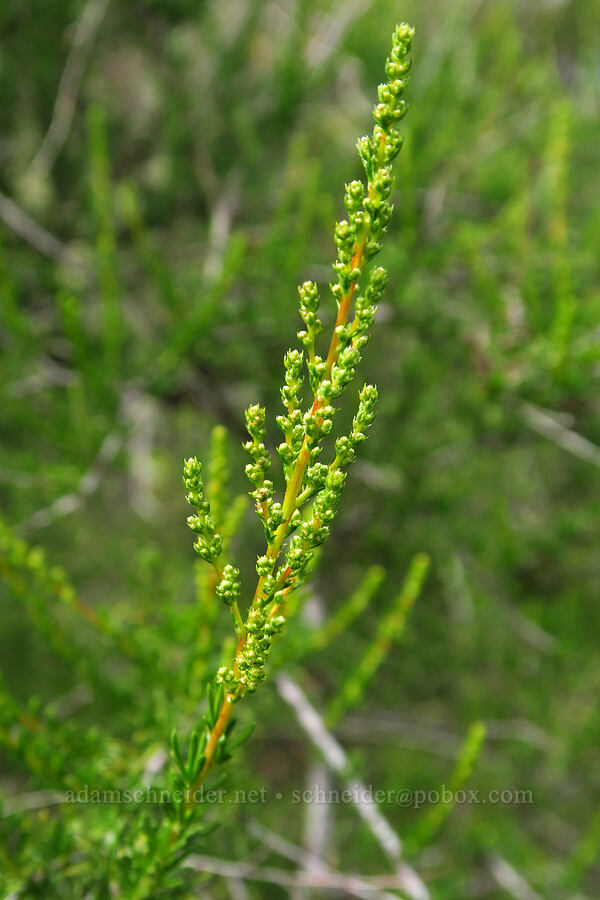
153,848
145,298
468,756
390,628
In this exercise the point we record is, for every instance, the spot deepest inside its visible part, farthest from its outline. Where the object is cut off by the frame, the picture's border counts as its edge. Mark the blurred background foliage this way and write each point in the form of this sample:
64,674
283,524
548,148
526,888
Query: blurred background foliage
150,247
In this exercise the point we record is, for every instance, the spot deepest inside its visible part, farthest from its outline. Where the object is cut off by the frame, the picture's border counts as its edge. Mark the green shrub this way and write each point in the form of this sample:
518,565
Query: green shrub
145,299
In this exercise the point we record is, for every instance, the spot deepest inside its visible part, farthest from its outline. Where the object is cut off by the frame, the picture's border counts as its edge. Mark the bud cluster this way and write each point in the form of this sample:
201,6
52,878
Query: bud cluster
294,530
250,661
264,569
228,588
255,423
209,542
346,445
366,307
268,510
291,424
309,306
313,532
358,239
314,480
319,421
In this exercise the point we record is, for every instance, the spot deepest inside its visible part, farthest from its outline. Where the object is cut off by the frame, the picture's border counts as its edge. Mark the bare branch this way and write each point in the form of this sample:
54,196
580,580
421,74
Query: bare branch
222,213
31,800
310,862
357,885
437,739
318,825
509,879
551,428
140,415
285,848
237,889
36,236
86,28
336,758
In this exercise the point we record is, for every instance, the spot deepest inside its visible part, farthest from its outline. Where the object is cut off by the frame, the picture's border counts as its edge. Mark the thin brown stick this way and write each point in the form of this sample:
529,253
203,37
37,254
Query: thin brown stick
86,29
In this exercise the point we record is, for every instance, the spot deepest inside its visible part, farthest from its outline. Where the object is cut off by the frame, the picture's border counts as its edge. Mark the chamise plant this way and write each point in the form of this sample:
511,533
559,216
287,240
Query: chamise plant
297,520
150,245
143,852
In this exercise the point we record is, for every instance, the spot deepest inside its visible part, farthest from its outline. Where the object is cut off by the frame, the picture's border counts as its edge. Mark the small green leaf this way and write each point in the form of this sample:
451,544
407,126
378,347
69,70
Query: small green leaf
241,737
176,751
192,751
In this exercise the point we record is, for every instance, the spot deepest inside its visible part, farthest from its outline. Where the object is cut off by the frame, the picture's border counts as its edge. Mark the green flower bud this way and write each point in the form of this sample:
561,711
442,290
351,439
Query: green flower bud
228,589
264,566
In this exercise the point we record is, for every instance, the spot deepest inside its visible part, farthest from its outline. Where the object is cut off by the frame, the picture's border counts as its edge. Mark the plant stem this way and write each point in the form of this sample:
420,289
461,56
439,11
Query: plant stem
211,744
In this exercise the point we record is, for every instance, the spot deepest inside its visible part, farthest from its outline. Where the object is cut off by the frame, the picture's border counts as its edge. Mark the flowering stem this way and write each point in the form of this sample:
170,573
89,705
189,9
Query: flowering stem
358,241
